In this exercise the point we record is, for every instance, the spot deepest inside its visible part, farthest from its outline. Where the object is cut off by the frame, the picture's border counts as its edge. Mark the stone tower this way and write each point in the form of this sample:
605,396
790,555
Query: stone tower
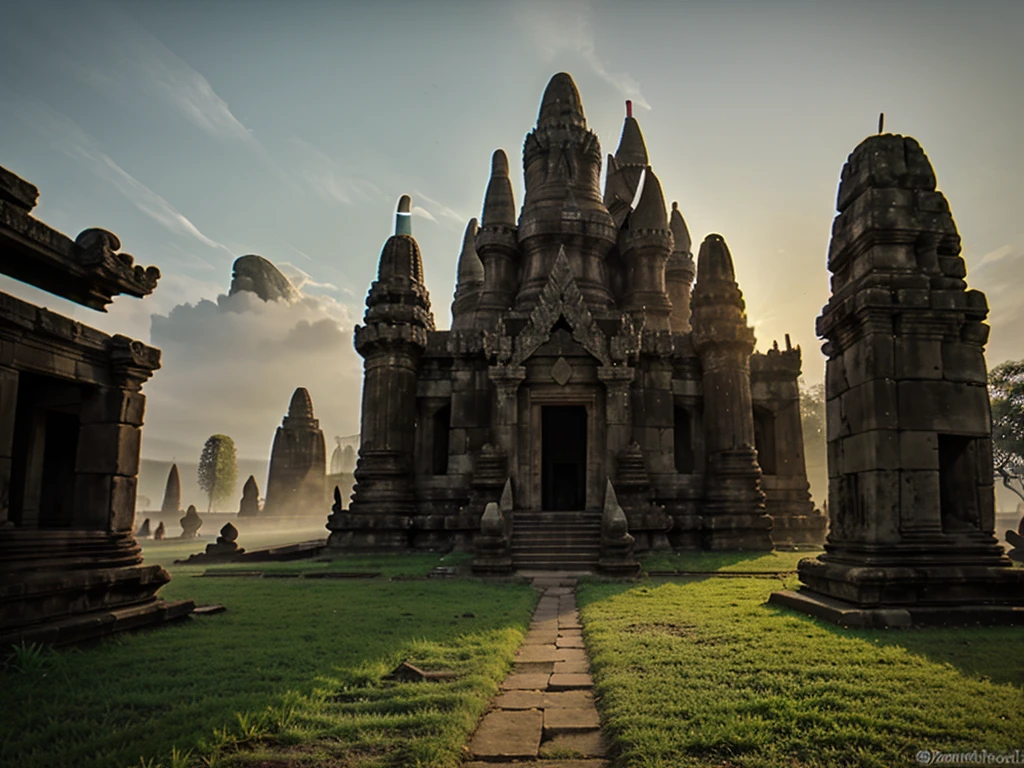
298,462
392,341
172,493
734,509
911,500
570,368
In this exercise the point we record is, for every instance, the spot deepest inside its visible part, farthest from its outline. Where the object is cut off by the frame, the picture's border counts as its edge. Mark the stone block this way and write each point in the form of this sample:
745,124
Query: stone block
871,405
835,426
919,501
919,450
879,501
111,449
866,451
944,406
963,363
872,357
8,406
92,501
510,735
122,504
918,358
835,376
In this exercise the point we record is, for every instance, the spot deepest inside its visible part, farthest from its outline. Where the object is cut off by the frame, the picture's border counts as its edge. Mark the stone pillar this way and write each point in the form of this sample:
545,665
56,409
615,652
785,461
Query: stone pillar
734,511
8,408
909,427
506,380
619,421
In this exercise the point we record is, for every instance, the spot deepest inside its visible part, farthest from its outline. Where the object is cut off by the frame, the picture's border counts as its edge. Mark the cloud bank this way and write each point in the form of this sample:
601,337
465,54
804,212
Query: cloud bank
230,366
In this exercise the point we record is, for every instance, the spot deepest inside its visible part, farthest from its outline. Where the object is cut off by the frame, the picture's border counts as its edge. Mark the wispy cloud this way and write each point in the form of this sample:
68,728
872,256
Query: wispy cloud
444,211
565,28
302,279
326,177
68,137
423,213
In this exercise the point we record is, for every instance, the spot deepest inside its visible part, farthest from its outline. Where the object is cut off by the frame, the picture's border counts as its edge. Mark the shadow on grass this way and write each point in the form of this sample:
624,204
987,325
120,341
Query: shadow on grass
726,562
267,674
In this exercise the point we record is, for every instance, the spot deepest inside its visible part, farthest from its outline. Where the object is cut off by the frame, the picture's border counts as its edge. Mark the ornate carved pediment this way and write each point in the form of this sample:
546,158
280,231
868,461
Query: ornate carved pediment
561,298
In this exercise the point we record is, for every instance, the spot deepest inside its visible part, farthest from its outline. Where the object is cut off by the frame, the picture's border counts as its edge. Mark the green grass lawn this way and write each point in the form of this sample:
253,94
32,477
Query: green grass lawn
700,672
725,562
290,675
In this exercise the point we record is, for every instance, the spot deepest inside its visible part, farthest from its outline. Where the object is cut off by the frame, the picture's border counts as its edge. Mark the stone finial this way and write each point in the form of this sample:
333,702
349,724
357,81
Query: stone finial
160,532
172,493
507,503
228,534
613,519
886,161
301,406
499,201
561,103
191,523
250,504
470,269
403,216
714,262
680,232
632,148
255,274
492,522
650,210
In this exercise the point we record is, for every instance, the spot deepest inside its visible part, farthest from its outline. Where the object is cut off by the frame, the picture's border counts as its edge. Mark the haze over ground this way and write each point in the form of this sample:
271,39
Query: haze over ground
202,132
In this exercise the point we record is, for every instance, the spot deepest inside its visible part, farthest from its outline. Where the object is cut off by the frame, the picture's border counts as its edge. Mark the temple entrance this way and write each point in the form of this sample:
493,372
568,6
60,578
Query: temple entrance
563,457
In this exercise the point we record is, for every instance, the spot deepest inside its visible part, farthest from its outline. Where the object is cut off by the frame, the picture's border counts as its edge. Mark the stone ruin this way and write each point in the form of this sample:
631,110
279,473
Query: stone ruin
160,532
172,493
574,359
296,482
249,506
911,494
191,523
71,412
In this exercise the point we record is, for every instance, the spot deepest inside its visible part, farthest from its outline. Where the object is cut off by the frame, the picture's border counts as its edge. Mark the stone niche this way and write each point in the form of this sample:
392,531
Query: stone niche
71,414
911,496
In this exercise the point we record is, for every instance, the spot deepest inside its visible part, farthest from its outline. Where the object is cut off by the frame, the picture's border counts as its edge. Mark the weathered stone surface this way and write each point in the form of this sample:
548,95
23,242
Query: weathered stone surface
570,720
172,493
298,462
909,428
249,506
508,734
525,682
191,523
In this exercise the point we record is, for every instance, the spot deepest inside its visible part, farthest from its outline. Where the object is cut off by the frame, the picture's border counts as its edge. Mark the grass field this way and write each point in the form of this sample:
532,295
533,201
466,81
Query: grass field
290,675
700,672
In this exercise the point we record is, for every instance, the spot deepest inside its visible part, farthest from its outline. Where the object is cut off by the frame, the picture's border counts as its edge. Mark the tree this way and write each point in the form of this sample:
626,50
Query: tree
1006,391
218,469
812,419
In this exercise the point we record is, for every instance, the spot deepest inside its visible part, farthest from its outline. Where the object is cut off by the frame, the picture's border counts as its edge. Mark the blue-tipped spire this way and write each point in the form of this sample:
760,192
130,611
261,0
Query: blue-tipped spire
403,216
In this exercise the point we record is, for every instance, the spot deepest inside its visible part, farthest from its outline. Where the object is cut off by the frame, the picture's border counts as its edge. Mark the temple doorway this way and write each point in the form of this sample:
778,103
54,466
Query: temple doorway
563,457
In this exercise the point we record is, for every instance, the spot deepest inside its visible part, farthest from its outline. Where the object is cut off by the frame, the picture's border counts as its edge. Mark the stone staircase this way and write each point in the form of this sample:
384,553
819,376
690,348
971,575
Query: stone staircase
556,541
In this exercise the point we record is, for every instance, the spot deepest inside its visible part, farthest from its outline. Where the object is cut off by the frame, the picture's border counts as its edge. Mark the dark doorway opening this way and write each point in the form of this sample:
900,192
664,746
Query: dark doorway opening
764,440
563,457
683,441
958,483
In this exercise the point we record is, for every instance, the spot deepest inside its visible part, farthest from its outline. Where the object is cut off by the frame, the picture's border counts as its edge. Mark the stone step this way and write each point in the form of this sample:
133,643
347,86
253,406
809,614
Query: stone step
556,549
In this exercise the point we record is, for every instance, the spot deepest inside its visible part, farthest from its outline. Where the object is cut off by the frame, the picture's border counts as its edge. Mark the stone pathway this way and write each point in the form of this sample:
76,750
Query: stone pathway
544,716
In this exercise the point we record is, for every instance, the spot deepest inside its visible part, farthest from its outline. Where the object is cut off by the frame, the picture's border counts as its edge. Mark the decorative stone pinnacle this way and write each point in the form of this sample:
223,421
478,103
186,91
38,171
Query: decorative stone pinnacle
403,216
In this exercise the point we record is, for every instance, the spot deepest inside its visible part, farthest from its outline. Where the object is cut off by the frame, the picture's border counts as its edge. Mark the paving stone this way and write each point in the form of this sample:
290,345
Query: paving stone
570,633
563,625
539,764
508,734
587,744
578,698
566,720
542,637
542,653
526,681
558,591
521,700
567,682
568,642
571,667
533,667
571,654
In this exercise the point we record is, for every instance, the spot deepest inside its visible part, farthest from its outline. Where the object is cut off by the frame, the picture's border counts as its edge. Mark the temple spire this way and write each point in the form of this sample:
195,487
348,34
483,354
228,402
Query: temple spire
650,210
632,148
680,232
561,103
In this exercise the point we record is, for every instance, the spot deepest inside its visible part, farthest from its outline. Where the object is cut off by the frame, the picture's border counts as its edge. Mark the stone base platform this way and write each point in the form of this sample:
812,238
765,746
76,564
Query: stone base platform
852,616
89,626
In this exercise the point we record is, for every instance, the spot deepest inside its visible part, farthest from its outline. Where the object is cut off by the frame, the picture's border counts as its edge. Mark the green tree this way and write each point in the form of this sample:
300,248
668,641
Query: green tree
812,419
218,469
1006,391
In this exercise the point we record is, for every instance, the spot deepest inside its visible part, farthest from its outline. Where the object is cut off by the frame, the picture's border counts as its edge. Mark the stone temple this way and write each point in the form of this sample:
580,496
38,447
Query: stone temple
580,352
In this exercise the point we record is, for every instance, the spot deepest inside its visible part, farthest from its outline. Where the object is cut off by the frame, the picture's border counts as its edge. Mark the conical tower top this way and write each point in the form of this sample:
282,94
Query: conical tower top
499,202
401,254
403,216
301,406
680,232
715,261
470,269
650,210
632,148
561,104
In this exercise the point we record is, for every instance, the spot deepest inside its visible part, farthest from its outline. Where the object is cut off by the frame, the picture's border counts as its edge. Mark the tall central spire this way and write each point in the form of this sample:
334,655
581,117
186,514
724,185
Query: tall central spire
561,104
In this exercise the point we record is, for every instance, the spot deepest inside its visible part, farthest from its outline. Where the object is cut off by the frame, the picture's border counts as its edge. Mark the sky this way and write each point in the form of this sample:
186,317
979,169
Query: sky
200,132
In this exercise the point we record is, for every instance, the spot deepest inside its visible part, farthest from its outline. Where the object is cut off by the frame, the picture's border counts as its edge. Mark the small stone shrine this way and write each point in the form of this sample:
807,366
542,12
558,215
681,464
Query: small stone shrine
911,497
296,483
172,493
191,523
71,412
573,359
144,531
249,506
226,545
160,532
